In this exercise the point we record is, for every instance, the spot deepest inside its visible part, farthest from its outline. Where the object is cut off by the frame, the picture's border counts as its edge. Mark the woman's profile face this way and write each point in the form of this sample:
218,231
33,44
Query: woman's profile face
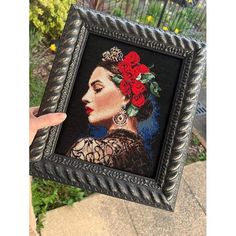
103,99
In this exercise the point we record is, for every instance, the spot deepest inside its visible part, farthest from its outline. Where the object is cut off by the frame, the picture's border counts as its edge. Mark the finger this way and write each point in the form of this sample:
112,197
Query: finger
34,111
50,119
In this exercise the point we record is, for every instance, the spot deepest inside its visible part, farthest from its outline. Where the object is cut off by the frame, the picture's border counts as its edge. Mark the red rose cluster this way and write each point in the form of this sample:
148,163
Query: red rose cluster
130,68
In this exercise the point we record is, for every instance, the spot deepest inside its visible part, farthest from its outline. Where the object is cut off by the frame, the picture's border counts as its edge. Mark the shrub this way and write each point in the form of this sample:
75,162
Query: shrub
49,16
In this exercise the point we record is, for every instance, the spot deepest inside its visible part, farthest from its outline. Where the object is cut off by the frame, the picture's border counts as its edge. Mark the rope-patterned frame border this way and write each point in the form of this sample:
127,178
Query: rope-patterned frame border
160,192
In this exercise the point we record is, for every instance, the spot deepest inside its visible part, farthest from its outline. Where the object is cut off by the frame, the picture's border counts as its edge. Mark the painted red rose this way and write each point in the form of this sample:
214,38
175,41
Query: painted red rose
143,69
124,66
128,75
138,100
140,69
136,71
132,57
125,87
138,87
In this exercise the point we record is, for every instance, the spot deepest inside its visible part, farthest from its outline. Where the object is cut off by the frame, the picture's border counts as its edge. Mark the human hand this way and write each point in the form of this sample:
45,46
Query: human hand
43,121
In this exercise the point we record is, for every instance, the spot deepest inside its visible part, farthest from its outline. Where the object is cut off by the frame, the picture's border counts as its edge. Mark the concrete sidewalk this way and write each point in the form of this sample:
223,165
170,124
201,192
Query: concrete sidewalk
108,216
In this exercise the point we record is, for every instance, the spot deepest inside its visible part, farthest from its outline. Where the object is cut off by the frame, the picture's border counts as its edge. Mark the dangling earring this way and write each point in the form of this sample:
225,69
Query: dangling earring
121,118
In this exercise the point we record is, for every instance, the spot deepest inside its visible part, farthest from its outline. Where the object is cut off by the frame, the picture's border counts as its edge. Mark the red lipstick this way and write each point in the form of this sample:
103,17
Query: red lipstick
88,110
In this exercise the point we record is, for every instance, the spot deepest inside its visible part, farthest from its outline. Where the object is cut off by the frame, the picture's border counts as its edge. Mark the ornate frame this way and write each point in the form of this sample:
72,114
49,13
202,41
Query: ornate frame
160,192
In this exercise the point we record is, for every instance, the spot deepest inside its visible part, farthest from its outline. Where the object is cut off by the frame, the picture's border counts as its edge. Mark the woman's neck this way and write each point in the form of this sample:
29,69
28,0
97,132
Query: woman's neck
131,125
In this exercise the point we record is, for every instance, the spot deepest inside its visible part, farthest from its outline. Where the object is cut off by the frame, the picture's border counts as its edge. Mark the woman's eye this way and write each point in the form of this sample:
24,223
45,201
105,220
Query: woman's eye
97,90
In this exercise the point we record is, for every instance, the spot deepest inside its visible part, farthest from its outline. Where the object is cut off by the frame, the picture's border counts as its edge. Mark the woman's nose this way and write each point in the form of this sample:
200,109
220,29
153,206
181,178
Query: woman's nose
86,98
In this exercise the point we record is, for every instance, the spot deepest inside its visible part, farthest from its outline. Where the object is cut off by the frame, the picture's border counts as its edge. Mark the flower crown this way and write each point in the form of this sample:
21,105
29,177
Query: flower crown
134,80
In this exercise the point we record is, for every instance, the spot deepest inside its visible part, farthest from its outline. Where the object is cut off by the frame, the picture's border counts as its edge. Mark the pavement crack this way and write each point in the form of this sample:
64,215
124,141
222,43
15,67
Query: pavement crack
136,231
198,202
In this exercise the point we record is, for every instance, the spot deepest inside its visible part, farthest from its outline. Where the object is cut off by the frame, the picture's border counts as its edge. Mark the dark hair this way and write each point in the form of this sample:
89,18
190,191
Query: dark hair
146,110
109,65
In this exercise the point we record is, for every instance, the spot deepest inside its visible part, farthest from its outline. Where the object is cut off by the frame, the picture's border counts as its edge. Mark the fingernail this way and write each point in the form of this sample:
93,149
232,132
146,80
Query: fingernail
62,116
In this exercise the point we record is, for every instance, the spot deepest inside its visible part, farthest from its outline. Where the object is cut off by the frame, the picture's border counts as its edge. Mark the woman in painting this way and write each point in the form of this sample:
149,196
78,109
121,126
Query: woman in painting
117,99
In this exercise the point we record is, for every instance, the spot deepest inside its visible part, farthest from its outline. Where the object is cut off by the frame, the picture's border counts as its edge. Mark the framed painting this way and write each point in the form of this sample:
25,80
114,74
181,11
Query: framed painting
130,93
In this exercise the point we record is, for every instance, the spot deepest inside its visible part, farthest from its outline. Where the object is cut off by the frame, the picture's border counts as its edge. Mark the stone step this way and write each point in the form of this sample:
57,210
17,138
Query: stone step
108,216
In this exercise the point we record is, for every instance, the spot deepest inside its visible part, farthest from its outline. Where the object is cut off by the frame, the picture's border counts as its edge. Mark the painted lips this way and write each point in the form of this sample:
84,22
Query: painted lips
88,110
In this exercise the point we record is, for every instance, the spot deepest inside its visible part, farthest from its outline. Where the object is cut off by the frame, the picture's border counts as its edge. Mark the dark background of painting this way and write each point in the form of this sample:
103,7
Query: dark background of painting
166,67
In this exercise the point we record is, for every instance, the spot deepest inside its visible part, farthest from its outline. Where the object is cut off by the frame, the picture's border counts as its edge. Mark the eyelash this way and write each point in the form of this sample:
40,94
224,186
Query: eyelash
98,90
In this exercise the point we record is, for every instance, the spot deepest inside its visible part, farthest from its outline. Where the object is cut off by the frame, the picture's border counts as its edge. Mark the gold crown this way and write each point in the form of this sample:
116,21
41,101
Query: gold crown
114,55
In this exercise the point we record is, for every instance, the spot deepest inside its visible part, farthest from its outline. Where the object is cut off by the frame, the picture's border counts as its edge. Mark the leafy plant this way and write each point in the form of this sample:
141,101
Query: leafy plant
176,18
36,85
195,141
196,152
36,38
118,12
154,10
49,16
122,8
202,156
48,195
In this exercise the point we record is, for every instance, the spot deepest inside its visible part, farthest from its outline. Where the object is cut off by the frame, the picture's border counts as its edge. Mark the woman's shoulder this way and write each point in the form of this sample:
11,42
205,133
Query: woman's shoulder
123,134
121,149
81,142
114,144
106,144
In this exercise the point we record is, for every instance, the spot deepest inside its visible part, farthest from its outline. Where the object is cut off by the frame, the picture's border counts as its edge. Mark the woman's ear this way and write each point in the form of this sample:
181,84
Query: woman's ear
126,100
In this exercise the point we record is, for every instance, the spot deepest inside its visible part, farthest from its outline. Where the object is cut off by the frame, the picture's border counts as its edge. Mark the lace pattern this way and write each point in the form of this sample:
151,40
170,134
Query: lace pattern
120,149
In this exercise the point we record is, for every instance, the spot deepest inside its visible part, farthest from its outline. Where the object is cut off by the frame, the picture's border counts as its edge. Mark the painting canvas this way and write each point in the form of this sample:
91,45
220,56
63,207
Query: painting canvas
115,114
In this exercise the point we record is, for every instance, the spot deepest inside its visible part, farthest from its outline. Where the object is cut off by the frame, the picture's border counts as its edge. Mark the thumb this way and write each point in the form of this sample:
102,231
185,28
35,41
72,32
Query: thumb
50,119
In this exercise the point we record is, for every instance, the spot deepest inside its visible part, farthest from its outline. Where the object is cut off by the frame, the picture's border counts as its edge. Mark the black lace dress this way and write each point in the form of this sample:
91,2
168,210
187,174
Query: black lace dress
120,149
